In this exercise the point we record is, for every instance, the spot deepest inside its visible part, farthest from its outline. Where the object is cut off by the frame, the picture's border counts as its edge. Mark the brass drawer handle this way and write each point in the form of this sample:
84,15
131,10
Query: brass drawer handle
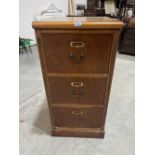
77,59
77,112
77,84
77,93
77,44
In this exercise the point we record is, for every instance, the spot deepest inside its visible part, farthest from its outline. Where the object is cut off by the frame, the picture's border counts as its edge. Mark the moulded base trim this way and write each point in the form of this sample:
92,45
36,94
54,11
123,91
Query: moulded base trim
78,132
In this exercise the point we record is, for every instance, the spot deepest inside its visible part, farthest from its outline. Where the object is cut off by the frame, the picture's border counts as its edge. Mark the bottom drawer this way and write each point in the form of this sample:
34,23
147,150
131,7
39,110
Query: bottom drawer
84,117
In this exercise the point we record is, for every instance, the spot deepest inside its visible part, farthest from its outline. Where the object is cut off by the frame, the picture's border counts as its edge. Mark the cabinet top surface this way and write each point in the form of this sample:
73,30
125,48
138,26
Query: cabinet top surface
78,23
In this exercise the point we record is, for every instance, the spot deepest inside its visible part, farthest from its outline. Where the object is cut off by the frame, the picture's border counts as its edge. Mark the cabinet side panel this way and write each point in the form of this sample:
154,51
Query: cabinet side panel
111,71
45,79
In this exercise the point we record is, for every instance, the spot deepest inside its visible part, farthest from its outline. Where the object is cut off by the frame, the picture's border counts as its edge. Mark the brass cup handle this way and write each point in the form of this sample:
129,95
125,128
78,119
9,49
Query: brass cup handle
75,58
77,84
77,44
82,55
77,112
72,56
77,93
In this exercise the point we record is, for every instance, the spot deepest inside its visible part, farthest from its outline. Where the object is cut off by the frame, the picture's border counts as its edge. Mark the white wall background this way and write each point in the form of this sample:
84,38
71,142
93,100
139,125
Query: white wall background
28,9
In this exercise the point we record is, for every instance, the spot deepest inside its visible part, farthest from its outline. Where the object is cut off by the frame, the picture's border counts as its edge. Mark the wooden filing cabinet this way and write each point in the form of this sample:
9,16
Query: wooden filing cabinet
77,58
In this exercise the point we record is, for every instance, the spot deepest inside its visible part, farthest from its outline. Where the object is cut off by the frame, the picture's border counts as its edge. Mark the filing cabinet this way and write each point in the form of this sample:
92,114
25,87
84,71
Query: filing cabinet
77,57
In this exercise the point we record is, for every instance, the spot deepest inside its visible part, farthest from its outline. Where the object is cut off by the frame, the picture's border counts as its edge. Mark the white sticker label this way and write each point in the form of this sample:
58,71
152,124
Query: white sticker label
77,23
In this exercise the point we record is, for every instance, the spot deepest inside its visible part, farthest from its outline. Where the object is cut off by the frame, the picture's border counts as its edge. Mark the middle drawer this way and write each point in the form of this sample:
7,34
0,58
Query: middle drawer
77,90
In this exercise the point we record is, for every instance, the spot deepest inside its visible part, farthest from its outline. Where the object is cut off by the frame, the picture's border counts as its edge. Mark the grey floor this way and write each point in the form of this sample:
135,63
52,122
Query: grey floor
30,77
35,136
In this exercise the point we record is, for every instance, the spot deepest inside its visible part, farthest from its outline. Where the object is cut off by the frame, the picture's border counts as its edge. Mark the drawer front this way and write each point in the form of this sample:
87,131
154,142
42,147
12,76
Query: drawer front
78,117
77,52
77,90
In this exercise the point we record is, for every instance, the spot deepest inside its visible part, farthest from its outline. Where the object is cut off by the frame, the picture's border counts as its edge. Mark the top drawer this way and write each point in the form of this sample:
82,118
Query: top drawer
77,51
